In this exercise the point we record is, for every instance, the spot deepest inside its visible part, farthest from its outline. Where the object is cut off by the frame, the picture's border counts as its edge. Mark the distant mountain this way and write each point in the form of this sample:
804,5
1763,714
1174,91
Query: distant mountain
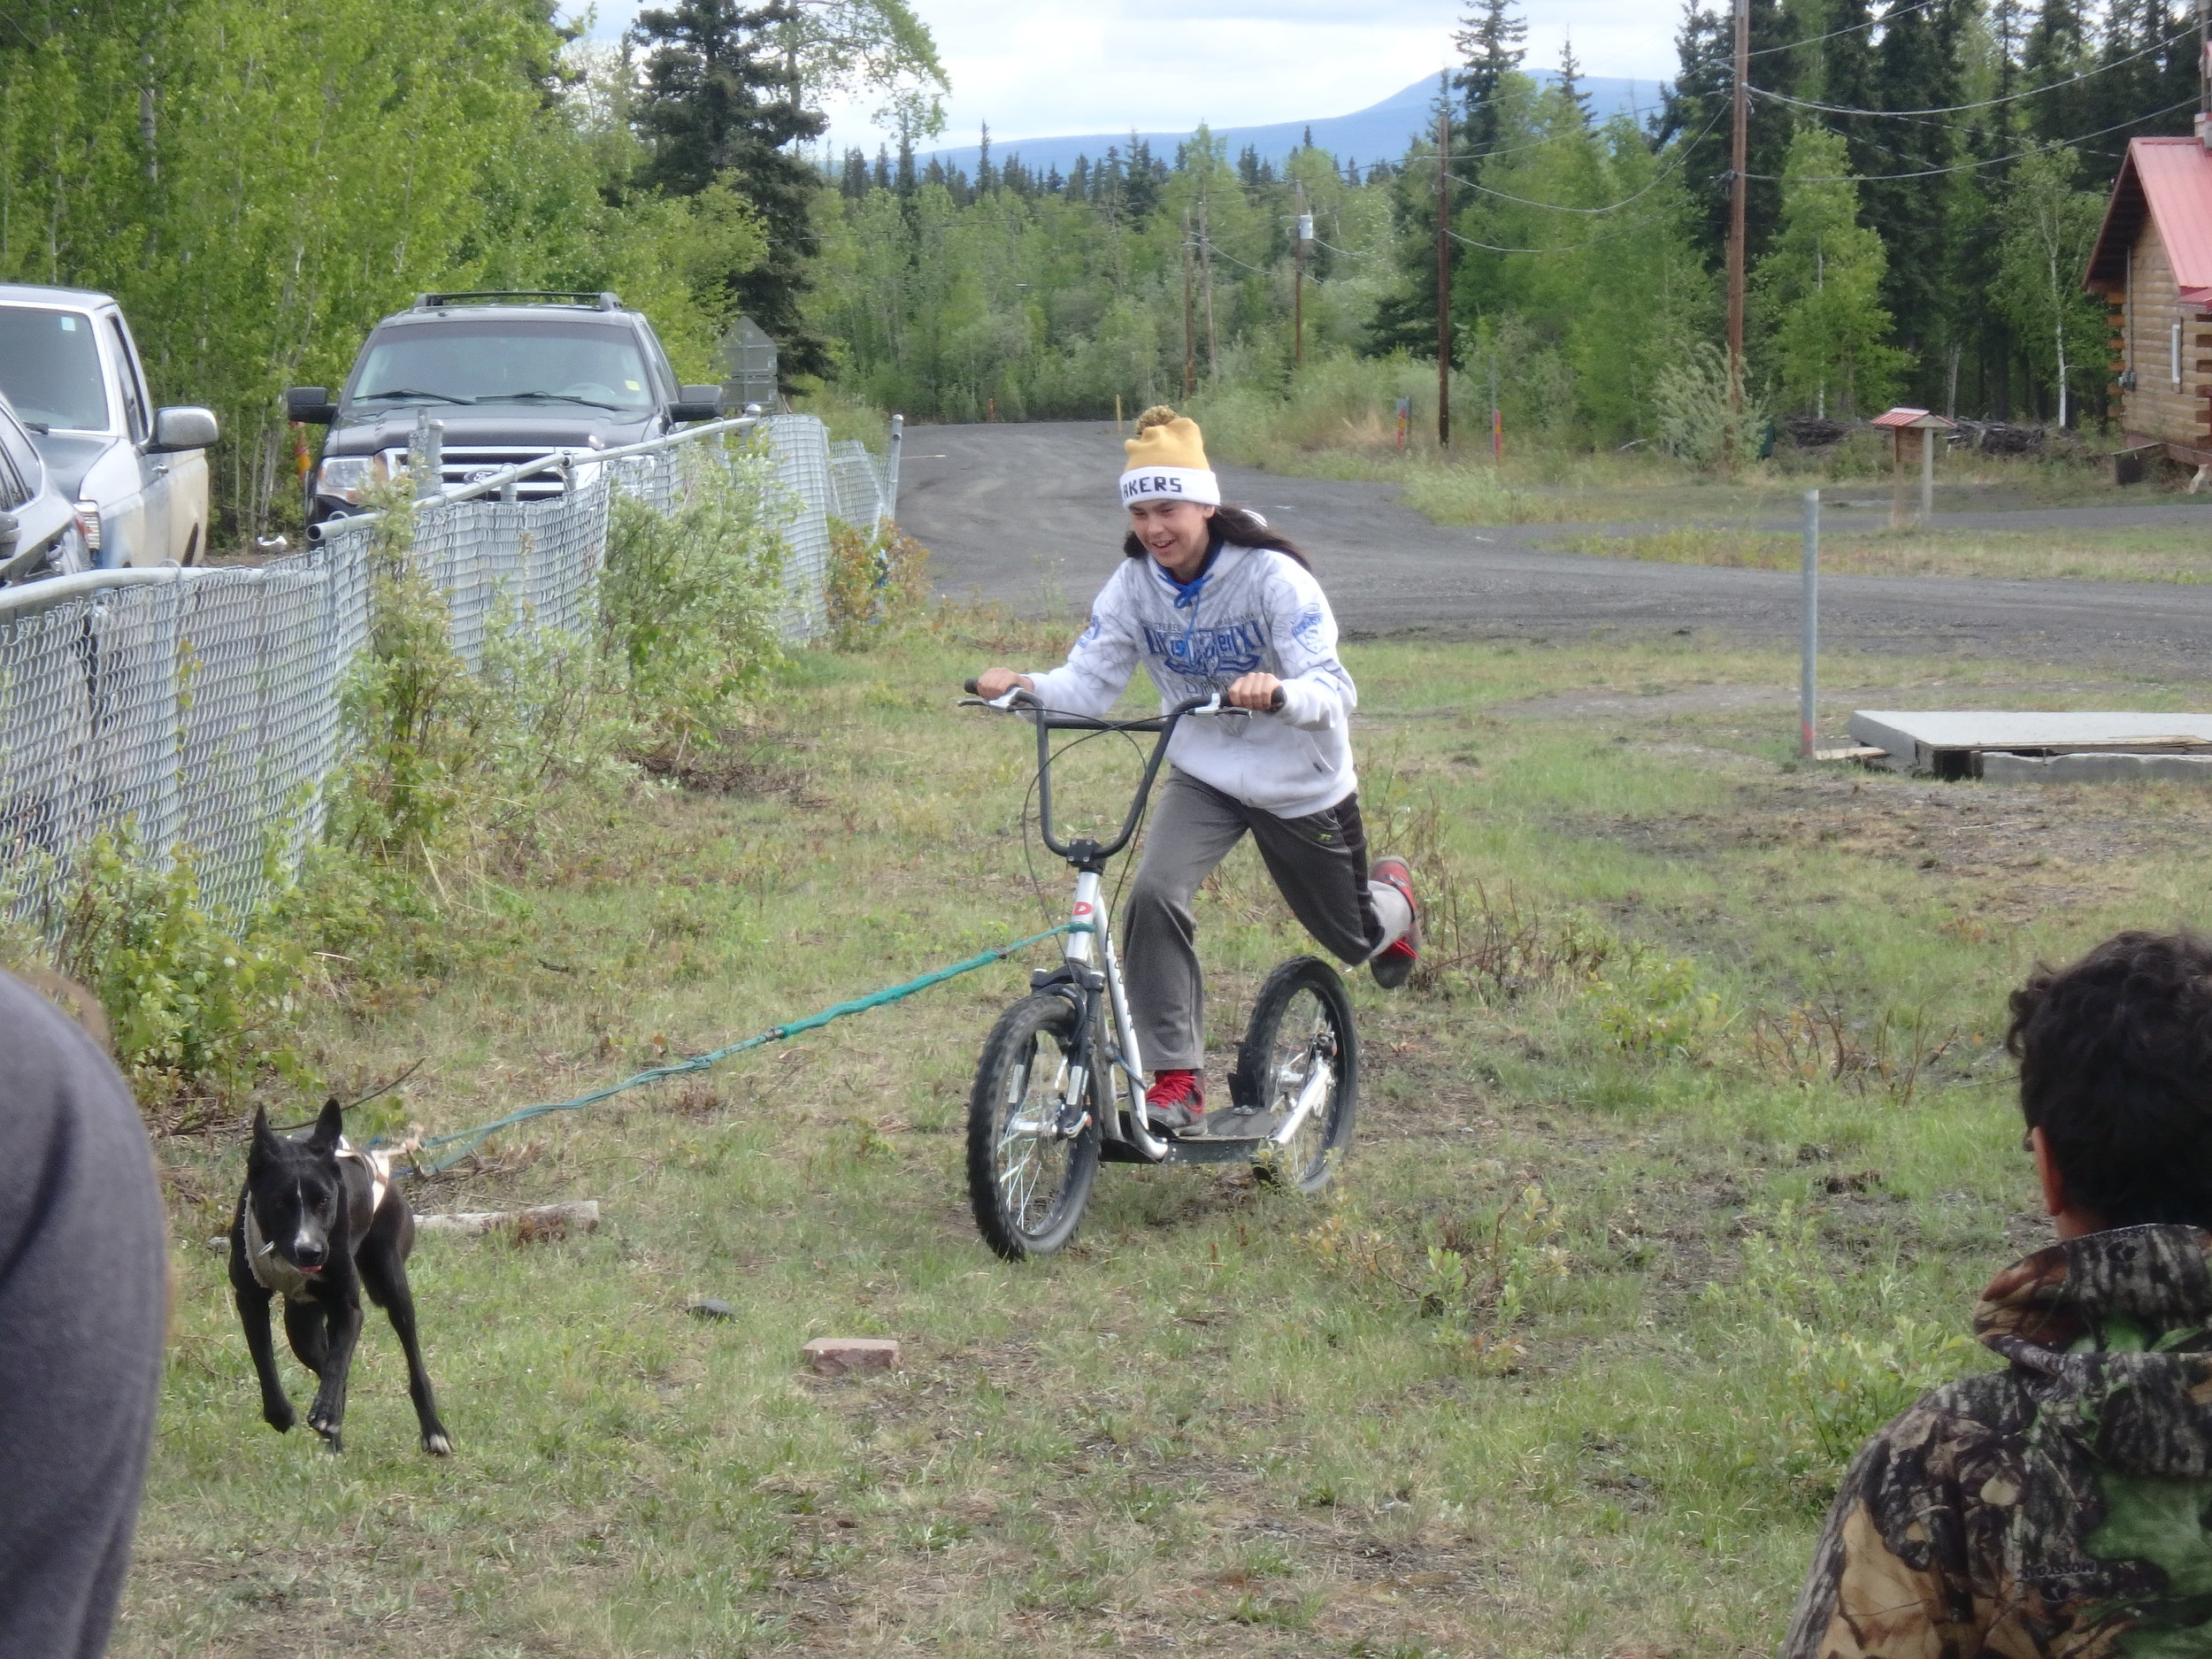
1378,133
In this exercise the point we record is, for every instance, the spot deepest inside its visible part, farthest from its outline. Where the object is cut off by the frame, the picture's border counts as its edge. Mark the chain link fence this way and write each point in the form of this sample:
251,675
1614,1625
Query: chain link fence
199,710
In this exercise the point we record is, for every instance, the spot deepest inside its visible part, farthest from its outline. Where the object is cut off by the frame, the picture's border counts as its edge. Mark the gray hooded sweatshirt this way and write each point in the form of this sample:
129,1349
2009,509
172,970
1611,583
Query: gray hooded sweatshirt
1252,610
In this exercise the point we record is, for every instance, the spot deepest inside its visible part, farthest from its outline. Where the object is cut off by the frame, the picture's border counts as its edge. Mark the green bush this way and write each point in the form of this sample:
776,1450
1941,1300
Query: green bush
199,1007
690,602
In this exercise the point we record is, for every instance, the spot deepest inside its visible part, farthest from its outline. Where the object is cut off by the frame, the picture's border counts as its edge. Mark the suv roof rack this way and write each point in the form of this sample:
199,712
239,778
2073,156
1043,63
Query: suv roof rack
601,301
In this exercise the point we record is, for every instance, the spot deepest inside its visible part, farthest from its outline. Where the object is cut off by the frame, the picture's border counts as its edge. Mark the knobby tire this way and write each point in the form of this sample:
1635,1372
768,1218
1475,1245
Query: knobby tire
1027,1191
1301,1010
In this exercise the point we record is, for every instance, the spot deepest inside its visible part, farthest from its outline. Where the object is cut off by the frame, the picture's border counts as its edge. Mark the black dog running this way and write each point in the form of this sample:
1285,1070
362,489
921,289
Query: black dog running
319,1223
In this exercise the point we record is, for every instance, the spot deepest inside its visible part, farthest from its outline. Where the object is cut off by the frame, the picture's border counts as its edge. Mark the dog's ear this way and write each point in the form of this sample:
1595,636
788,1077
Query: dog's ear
263,1137
330,1128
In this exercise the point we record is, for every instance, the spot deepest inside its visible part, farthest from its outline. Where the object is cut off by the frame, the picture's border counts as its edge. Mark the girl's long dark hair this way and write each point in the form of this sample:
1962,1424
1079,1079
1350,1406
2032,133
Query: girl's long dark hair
1239,527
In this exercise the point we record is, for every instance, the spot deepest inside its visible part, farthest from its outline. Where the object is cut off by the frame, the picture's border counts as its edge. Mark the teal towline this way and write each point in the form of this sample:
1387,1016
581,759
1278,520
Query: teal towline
462,1141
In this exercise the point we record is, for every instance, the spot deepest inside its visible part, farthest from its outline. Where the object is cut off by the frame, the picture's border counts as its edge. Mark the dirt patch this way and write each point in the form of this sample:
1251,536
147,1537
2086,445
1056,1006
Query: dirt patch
730,772
2045,837
1611,703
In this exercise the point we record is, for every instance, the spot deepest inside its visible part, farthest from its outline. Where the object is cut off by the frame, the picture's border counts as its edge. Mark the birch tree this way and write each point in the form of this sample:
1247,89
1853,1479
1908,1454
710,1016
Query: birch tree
2050,226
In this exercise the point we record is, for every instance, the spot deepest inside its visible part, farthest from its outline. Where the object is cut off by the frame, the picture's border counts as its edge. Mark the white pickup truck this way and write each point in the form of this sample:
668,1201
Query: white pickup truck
137,474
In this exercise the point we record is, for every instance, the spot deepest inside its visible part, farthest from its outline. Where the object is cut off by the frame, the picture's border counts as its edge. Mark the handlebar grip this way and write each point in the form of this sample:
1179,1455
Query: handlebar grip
974,688
1275,704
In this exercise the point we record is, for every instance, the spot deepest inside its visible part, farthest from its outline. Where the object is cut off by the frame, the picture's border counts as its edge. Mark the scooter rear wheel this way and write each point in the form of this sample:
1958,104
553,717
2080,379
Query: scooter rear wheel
1028,1181
1300,1042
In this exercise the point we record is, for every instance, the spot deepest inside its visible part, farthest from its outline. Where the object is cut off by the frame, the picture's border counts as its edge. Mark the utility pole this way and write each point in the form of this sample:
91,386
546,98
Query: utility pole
1739,151
1298,286
1190,331
1206,277
1443,278
2204,73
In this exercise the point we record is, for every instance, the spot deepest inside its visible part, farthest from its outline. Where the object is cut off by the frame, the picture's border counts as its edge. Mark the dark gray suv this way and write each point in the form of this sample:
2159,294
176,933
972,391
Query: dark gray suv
513,377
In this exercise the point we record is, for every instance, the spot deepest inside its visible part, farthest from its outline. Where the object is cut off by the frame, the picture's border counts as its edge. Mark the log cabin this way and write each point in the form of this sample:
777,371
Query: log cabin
2152,263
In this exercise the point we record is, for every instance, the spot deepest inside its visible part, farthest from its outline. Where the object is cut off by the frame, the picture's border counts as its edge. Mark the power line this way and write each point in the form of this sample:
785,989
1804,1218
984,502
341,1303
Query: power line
1681,154
1969,166
1856,28
1986,104
1564,247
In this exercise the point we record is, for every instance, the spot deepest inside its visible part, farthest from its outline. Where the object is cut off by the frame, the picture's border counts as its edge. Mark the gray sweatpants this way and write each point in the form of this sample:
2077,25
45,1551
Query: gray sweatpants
1320,867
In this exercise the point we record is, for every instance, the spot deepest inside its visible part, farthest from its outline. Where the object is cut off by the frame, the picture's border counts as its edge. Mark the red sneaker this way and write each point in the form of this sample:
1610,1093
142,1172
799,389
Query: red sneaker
1176,1099
1393,965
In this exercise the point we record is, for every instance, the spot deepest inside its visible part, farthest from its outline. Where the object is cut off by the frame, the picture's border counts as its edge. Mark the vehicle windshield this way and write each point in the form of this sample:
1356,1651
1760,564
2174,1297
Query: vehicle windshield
49,368
582,365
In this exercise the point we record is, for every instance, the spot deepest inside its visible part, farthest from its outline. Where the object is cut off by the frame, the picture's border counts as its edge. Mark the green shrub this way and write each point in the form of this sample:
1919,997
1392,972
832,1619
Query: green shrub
199,1007
877,580
690,602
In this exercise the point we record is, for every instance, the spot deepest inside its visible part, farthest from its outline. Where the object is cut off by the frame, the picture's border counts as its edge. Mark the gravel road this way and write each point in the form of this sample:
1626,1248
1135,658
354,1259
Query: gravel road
1024,514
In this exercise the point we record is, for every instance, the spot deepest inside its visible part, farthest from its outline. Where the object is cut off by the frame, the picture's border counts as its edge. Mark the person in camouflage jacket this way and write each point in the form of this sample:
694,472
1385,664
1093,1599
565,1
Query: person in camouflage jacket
2062,1507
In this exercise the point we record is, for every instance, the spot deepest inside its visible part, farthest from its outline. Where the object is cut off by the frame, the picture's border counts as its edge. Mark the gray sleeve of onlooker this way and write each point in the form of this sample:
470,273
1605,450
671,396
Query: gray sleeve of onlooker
83,1308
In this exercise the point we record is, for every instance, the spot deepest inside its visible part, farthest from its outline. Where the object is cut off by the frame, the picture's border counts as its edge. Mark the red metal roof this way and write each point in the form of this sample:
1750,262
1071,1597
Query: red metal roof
2170,179
1905,419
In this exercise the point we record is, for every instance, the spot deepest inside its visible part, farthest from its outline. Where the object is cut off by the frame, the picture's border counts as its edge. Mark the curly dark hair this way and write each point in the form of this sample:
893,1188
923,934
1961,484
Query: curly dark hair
2116,1069
1240,527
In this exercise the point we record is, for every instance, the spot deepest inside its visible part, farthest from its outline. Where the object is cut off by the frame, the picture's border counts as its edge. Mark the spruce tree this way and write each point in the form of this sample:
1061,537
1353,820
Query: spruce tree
716,107
2056,51
1490,42
1695,116
1916,68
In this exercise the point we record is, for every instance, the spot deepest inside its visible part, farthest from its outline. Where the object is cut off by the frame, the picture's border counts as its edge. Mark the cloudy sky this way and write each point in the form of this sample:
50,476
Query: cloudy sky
1042,67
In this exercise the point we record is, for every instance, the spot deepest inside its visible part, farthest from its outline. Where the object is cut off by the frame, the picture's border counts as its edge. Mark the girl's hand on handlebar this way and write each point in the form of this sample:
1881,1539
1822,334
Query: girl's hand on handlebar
993,683
1260,693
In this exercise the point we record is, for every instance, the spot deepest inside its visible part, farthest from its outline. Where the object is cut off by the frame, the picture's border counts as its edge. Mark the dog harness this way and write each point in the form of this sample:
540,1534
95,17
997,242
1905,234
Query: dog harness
273,1271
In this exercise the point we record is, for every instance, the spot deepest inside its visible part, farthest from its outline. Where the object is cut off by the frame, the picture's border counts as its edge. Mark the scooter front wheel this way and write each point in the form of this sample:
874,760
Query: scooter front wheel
1033,1152
1299,1069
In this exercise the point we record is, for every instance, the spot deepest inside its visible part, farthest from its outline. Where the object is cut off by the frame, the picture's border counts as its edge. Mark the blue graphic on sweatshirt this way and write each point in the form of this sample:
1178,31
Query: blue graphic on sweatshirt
1307,629
1093,631
1209,653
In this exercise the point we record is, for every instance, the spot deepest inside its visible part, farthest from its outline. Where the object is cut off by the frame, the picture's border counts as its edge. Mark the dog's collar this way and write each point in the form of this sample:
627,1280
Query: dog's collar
271,1271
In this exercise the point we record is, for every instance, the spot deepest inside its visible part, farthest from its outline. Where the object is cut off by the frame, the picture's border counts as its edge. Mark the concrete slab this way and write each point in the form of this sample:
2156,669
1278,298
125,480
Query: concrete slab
2095,768
1951,744
1975,728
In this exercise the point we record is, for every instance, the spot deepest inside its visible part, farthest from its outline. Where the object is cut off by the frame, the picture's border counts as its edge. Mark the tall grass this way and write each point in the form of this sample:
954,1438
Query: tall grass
1337,417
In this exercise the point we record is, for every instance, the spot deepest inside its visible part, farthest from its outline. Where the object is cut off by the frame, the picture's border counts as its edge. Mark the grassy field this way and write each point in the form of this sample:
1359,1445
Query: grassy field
2135,553
1681,1172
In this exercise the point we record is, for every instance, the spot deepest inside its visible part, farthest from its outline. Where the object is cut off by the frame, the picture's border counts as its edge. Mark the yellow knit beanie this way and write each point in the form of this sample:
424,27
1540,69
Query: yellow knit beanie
1167,461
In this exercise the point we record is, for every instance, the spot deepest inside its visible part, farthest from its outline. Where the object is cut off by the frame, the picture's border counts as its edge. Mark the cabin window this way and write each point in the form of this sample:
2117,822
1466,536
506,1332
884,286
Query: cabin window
2176,349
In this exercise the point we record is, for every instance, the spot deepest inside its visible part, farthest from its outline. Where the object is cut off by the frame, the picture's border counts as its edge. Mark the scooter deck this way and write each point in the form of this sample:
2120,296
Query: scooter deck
1201,1149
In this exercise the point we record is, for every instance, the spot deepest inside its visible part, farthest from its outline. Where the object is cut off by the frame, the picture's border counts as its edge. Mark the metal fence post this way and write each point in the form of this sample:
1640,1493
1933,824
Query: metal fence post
1808,681
891,466
425,455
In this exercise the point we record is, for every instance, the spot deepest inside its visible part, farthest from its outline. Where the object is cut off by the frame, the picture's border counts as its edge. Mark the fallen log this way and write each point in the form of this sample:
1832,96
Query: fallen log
544,1221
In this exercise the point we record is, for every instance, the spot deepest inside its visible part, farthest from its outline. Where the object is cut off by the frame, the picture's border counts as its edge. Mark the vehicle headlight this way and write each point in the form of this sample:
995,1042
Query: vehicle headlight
344,476
347,477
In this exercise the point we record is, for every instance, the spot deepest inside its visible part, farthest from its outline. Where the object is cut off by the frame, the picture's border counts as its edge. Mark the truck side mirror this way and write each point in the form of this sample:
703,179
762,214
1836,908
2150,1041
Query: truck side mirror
697,402
182,427
311,404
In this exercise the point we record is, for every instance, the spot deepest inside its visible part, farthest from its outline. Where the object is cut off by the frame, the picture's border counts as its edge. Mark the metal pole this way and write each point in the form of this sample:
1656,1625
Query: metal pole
1443,278
893,449
1927,475
1739,151
1497,426
1190,319
1808,676
1206,280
